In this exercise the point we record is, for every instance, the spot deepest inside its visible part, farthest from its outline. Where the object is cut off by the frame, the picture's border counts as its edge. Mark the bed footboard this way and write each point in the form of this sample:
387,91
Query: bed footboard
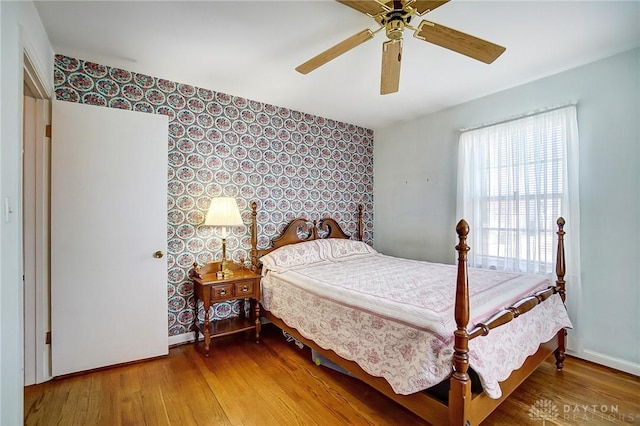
461,409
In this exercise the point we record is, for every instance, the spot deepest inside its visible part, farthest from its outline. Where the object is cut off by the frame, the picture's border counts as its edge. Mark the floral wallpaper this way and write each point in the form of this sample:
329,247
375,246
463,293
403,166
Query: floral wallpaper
291,163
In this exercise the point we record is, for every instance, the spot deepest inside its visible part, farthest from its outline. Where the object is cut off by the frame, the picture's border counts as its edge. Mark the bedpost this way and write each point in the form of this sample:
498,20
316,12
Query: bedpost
360,227
460,390
254,236
560,262
560,285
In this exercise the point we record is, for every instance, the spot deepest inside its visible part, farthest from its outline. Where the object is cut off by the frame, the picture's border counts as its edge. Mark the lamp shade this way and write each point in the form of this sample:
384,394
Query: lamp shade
223,211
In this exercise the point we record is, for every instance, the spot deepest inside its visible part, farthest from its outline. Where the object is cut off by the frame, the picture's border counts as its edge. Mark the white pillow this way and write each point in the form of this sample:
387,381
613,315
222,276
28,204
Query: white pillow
315,251
292,255
338,248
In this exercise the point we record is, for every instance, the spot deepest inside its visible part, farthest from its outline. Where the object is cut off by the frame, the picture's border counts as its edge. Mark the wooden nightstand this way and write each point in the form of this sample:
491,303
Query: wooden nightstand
243,284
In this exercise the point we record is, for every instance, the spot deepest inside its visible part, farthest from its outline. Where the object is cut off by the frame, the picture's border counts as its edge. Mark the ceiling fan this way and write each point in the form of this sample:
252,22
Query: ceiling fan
394,16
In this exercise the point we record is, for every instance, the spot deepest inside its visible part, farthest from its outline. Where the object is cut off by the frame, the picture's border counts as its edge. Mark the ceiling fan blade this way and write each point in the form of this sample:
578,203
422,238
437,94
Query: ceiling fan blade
368,7
391,58
424,6
335,51
458,41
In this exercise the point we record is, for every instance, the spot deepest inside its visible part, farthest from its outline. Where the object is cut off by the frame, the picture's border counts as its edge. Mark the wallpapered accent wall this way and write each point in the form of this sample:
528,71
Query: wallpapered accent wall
293,164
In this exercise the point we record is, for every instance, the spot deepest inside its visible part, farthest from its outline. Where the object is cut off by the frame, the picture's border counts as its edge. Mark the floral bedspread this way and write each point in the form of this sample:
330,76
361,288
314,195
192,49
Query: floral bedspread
394,317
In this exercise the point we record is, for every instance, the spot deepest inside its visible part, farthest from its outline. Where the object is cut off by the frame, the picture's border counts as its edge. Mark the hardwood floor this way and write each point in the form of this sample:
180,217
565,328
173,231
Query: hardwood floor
276,383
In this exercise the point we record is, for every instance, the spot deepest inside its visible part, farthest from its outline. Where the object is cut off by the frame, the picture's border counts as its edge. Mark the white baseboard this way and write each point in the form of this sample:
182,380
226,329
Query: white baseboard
607,360
181,339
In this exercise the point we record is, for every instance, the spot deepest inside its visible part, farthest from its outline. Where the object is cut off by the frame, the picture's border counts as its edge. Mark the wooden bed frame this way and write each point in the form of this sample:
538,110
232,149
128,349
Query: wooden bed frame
464,408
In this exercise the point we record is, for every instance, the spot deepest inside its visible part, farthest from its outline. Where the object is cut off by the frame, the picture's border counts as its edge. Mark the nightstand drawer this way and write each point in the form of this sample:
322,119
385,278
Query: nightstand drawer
244,287
222,292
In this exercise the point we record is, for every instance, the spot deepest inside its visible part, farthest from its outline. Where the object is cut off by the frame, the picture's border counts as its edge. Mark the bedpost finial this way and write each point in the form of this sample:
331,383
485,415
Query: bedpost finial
254,206
560,221
462,228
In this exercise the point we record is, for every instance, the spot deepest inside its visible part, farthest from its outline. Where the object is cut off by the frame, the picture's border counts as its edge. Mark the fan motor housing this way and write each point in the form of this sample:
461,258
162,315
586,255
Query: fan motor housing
395,28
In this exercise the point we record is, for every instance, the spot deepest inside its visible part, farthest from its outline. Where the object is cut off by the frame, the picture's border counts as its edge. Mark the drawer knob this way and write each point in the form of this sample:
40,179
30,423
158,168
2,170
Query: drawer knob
223,292
245,288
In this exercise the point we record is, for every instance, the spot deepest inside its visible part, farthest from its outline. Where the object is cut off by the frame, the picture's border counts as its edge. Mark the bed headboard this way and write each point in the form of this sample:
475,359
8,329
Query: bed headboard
297,231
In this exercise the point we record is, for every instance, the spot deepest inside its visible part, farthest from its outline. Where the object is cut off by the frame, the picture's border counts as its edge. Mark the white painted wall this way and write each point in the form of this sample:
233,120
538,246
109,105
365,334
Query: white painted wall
20,30
415,166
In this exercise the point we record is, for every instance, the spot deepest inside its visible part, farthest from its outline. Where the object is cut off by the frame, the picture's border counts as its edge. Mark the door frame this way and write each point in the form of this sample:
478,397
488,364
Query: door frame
35,236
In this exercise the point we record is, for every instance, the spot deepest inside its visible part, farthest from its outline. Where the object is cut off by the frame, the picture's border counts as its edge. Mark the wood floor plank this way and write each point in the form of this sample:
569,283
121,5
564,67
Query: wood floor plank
288,380
185,392
276,383
235,390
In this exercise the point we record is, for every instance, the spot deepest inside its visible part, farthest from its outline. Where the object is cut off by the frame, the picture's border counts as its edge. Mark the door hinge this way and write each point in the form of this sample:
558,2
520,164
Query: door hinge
47,130
47,338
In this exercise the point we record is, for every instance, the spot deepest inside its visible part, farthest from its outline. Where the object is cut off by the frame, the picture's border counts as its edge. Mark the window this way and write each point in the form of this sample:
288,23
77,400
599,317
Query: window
513,183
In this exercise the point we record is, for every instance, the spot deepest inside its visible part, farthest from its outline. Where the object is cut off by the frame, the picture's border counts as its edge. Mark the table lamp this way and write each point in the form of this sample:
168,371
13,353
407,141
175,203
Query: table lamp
223,214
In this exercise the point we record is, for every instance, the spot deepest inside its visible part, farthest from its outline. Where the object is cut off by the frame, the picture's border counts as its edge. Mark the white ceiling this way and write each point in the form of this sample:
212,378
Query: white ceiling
250,49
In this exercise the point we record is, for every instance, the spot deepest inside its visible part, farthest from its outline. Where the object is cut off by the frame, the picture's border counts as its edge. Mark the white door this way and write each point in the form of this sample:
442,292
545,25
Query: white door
108,218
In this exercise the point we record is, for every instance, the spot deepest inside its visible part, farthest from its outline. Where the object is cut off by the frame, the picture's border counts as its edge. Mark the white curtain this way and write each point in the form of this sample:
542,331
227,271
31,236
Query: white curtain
514,180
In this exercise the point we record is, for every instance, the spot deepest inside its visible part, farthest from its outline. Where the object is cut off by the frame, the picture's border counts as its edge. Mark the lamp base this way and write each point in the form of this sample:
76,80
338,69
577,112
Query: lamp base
224,268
